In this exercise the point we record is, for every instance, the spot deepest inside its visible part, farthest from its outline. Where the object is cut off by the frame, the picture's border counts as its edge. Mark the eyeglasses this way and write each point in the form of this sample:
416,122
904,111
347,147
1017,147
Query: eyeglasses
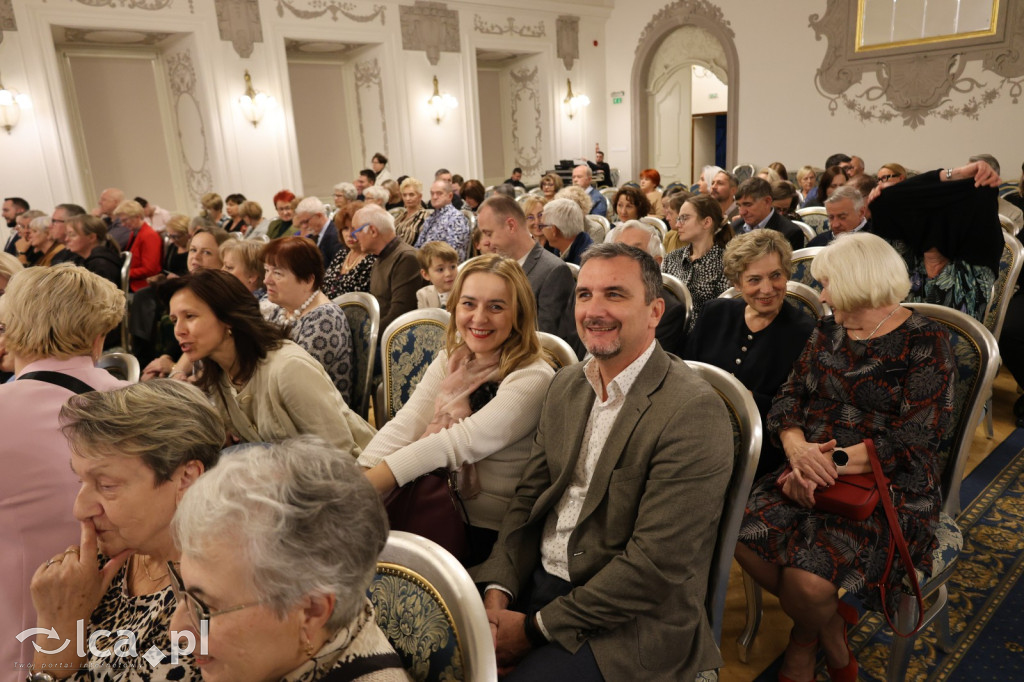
887,178
196,610
359,229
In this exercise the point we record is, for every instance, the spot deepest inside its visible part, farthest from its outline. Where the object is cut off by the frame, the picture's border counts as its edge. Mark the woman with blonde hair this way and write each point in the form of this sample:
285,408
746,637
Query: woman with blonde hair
477,407
88,239
533,207
244,260
211,207
408,224
549,185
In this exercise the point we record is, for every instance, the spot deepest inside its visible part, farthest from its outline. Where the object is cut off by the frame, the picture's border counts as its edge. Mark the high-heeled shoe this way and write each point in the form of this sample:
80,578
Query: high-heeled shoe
848,673
803,645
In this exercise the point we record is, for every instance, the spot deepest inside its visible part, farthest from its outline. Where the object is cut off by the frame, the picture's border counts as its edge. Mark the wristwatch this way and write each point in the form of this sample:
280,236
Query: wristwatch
840,459
41,677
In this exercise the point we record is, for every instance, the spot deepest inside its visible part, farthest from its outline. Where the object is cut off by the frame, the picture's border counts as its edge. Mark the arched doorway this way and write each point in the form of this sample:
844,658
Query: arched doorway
671,27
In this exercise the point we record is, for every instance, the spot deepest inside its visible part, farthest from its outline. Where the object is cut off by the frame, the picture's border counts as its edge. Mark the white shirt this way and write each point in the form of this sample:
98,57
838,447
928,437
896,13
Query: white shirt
554,546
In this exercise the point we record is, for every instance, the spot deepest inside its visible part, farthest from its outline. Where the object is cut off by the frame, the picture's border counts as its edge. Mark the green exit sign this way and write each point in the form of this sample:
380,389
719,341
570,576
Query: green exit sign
617,96
616,100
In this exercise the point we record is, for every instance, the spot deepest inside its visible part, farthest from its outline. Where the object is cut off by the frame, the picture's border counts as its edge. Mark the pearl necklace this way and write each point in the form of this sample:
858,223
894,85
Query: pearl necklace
297,313
877,327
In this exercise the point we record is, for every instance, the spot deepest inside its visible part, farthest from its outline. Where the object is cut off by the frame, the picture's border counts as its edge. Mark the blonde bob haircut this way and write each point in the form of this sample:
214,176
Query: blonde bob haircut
166,423
522,345
249,251
744,249
9,265
862,271
58,311
129,209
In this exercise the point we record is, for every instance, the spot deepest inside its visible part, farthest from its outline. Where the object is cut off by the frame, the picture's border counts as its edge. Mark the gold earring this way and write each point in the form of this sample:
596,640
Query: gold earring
307,646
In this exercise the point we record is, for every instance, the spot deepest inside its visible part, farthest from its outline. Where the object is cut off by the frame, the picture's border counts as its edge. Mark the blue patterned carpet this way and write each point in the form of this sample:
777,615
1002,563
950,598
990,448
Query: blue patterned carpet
986,593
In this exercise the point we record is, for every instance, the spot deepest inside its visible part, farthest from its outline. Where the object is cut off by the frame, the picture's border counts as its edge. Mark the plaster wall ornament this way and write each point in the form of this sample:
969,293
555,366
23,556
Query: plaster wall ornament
135,4
683,47
7,22
429,26
239,22
568,39
527,129
85,36
368,79
188,121
525,31
918,79
314,9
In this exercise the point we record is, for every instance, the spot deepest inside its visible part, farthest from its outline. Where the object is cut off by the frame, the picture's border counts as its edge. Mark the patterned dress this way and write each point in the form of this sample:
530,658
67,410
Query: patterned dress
323,333
408,226
703,277
337,283
896,389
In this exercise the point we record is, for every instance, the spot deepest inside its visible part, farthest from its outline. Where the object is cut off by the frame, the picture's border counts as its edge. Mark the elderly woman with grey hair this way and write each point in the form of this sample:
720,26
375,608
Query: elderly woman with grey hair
344,192
40,239
562,225
377,195
136,451
245,529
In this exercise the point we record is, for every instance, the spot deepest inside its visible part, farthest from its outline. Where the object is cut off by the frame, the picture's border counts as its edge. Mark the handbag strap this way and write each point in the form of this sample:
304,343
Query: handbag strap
59,379
896,541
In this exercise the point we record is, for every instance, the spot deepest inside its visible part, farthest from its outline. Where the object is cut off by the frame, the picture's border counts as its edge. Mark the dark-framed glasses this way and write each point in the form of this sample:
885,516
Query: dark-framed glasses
195,608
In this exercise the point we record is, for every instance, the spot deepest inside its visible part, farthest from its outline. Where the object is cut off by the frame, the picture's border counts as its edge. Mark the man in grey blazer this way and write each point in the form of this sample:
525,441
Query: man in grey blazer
503,226
606,547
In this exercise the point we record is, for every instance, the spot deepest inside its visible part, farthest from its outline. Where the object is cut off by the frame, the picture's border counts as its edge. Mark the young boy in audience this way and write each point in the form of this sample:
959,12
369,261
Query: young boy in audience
439,265
477,237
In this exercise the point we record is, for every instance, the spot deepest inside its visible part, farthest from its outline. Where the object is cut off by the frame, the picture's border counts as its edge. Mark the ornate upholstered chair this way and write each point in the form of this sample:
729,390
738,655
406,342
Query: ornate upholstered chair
815,216
597,227
1002,290
560,351
808,231
363,314
431,612
675,285
124,366
408,346
802,266
126,267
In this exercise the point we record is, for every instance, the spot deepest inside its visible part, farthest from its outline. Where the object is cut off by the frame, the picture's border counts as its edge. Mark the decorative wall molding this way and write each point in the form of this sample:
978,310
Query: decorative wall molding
135,4
368,77
314,9
88,36
239,22
917,81
701,14
195,149
526,106
525,31
7,22
567,43
429,26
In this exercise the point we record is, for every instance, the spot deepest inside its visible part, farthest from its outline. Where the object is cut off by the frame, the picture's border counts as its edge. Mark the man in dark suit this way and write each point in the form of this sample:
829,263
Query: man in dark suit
608,579
516,179
846,211
395,277
604,178
754,201
311,219
503,225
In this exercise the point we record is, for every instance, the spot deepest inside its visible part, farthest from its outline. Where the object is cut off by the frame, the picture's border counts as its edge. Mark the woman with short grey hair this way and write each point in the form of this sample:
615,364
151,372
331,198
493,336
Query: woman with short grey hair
136,450
562,226
244,532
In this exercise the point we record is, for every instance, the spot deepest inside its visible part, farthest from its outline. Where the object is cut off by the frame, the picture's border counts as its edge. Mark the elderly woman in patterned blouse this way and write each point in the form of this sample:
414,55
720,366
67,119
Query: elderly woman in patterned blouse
699,263
280,544
136,450
408,225
350,270
294,275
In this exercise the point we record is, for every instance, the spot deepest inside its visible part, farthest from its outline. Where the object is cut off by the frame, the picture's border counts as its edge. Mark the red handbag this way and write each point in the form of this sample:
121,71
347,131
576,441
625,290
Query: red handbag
431,506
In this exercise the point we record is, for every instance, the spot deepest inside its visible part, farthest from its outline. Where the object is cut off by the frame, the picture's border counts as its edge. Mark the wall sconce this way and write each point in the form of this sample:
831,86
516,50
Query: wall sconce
440,104
573,104
254,103
11,103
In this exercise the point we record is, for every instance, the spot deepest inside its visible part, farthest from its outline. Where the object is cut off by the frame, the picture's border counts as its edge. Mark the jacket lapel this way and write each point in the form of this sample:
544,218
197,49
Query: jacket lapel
531,260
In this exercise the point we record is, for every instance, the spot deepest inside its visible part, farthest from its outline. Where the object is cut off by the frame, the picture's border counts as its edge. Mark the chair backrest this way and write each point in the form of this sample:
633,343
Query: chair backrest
976,355
470,218
802,266
808,231
746,435
398,212
408,346
561,352
363,314
744,171
815,216
1006,282
800,295
609,194
575,270
124,366
418,582
679,290
126,268
655,222
597,227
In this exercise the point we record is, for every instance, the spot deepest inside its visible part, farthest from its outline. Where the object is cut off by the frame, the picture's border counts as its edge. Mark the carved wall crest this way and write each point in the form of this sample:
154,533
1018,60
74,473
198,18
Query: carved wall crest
7,22
917,81
429,26
367,78
526,31
526,119
568,40
686,13
239,22
314,9
135,4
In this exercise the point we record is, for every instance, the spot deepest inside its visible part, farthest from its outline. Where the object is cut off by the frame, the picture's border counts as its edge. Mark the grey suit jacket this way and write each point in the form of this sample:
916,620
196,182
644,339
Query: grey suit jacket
552,283
641,552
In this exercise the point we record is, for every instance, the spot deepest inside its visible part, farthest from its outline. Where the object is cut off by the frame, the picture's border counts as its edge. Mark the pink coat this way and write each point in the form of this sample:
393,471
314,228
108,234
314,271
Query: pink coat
37,492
